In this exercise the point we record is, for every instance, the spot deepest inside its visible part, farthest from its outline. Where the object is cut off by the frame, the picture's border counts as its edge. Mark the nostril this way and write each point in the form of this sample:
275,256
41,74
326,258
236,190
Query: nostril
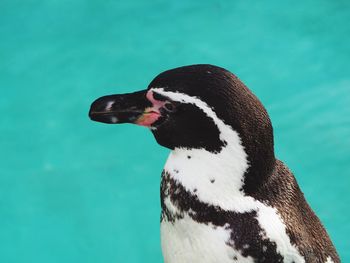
109,105
102,104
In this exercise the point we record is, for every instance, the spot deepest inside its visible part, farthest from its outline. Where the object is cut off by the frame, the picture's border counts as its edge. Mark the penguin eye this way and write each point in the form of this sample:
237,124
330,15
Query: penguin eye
168,106
159,97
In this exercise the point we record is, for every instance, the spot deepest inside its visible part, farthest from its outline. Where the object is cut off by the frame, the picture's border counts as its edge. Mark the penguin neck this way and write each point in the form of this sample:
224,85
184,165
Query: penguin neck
214,178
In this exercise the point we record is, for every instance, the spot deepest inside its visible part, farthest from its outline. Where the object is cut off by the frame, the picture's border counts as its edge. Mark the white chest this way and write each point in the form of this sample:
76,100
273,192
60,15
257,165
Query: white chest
186,240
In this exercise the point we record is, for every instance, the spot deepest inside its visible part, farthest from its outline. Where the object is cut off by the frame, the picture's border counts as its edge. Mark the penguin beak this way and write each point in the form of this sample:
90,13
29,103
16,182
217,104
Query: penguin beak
125,108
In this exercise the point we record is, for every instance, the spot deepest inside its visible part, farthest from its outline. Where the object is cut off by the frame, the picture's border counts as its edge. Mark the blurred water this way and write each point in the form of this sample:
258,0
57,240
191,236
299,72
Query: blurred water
76,191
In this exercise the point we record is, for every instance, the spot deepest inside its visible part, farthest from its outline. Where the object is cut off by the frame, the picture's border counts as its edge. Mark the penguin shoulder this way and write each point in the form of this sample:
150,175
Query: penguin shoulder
305,230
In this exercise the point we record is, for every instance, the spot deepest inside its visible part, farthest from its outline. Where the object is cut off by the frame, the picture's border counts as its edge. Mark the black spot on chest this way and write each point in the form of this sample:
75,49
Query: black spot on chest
246,234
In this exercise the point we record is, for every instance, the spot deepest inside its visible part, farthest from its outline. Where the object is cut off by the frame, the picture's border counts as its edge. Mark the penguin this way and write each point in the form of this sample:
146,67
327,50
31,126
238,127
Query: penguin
225,197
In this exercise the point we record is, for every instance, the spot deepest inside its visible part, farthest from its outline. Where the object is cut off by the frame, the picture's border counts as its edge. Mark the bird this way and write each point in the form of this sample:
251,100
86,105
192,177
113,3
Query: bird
225,197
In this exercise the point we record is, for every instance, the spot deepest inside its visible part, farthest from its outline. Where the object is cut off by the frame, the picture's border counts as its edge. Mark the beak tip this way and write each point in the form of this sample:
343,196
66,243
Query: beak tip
91,113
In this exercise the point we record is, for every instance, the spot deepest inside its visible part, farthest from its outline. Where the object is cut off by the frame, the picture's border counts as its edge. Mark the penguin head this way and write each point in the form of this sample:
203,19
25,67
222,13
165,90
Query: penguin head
182,107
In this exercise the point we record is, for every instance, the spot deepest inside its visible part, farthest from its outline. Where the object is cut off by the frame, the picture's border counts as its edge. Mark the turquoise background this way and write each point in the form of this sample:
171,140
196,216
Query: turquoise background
72,190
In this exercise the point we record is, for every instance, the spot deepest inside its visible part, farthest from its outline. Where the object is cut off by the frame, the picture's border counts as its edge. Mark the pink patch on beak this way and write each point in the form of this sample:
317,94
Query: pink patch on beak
151,114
